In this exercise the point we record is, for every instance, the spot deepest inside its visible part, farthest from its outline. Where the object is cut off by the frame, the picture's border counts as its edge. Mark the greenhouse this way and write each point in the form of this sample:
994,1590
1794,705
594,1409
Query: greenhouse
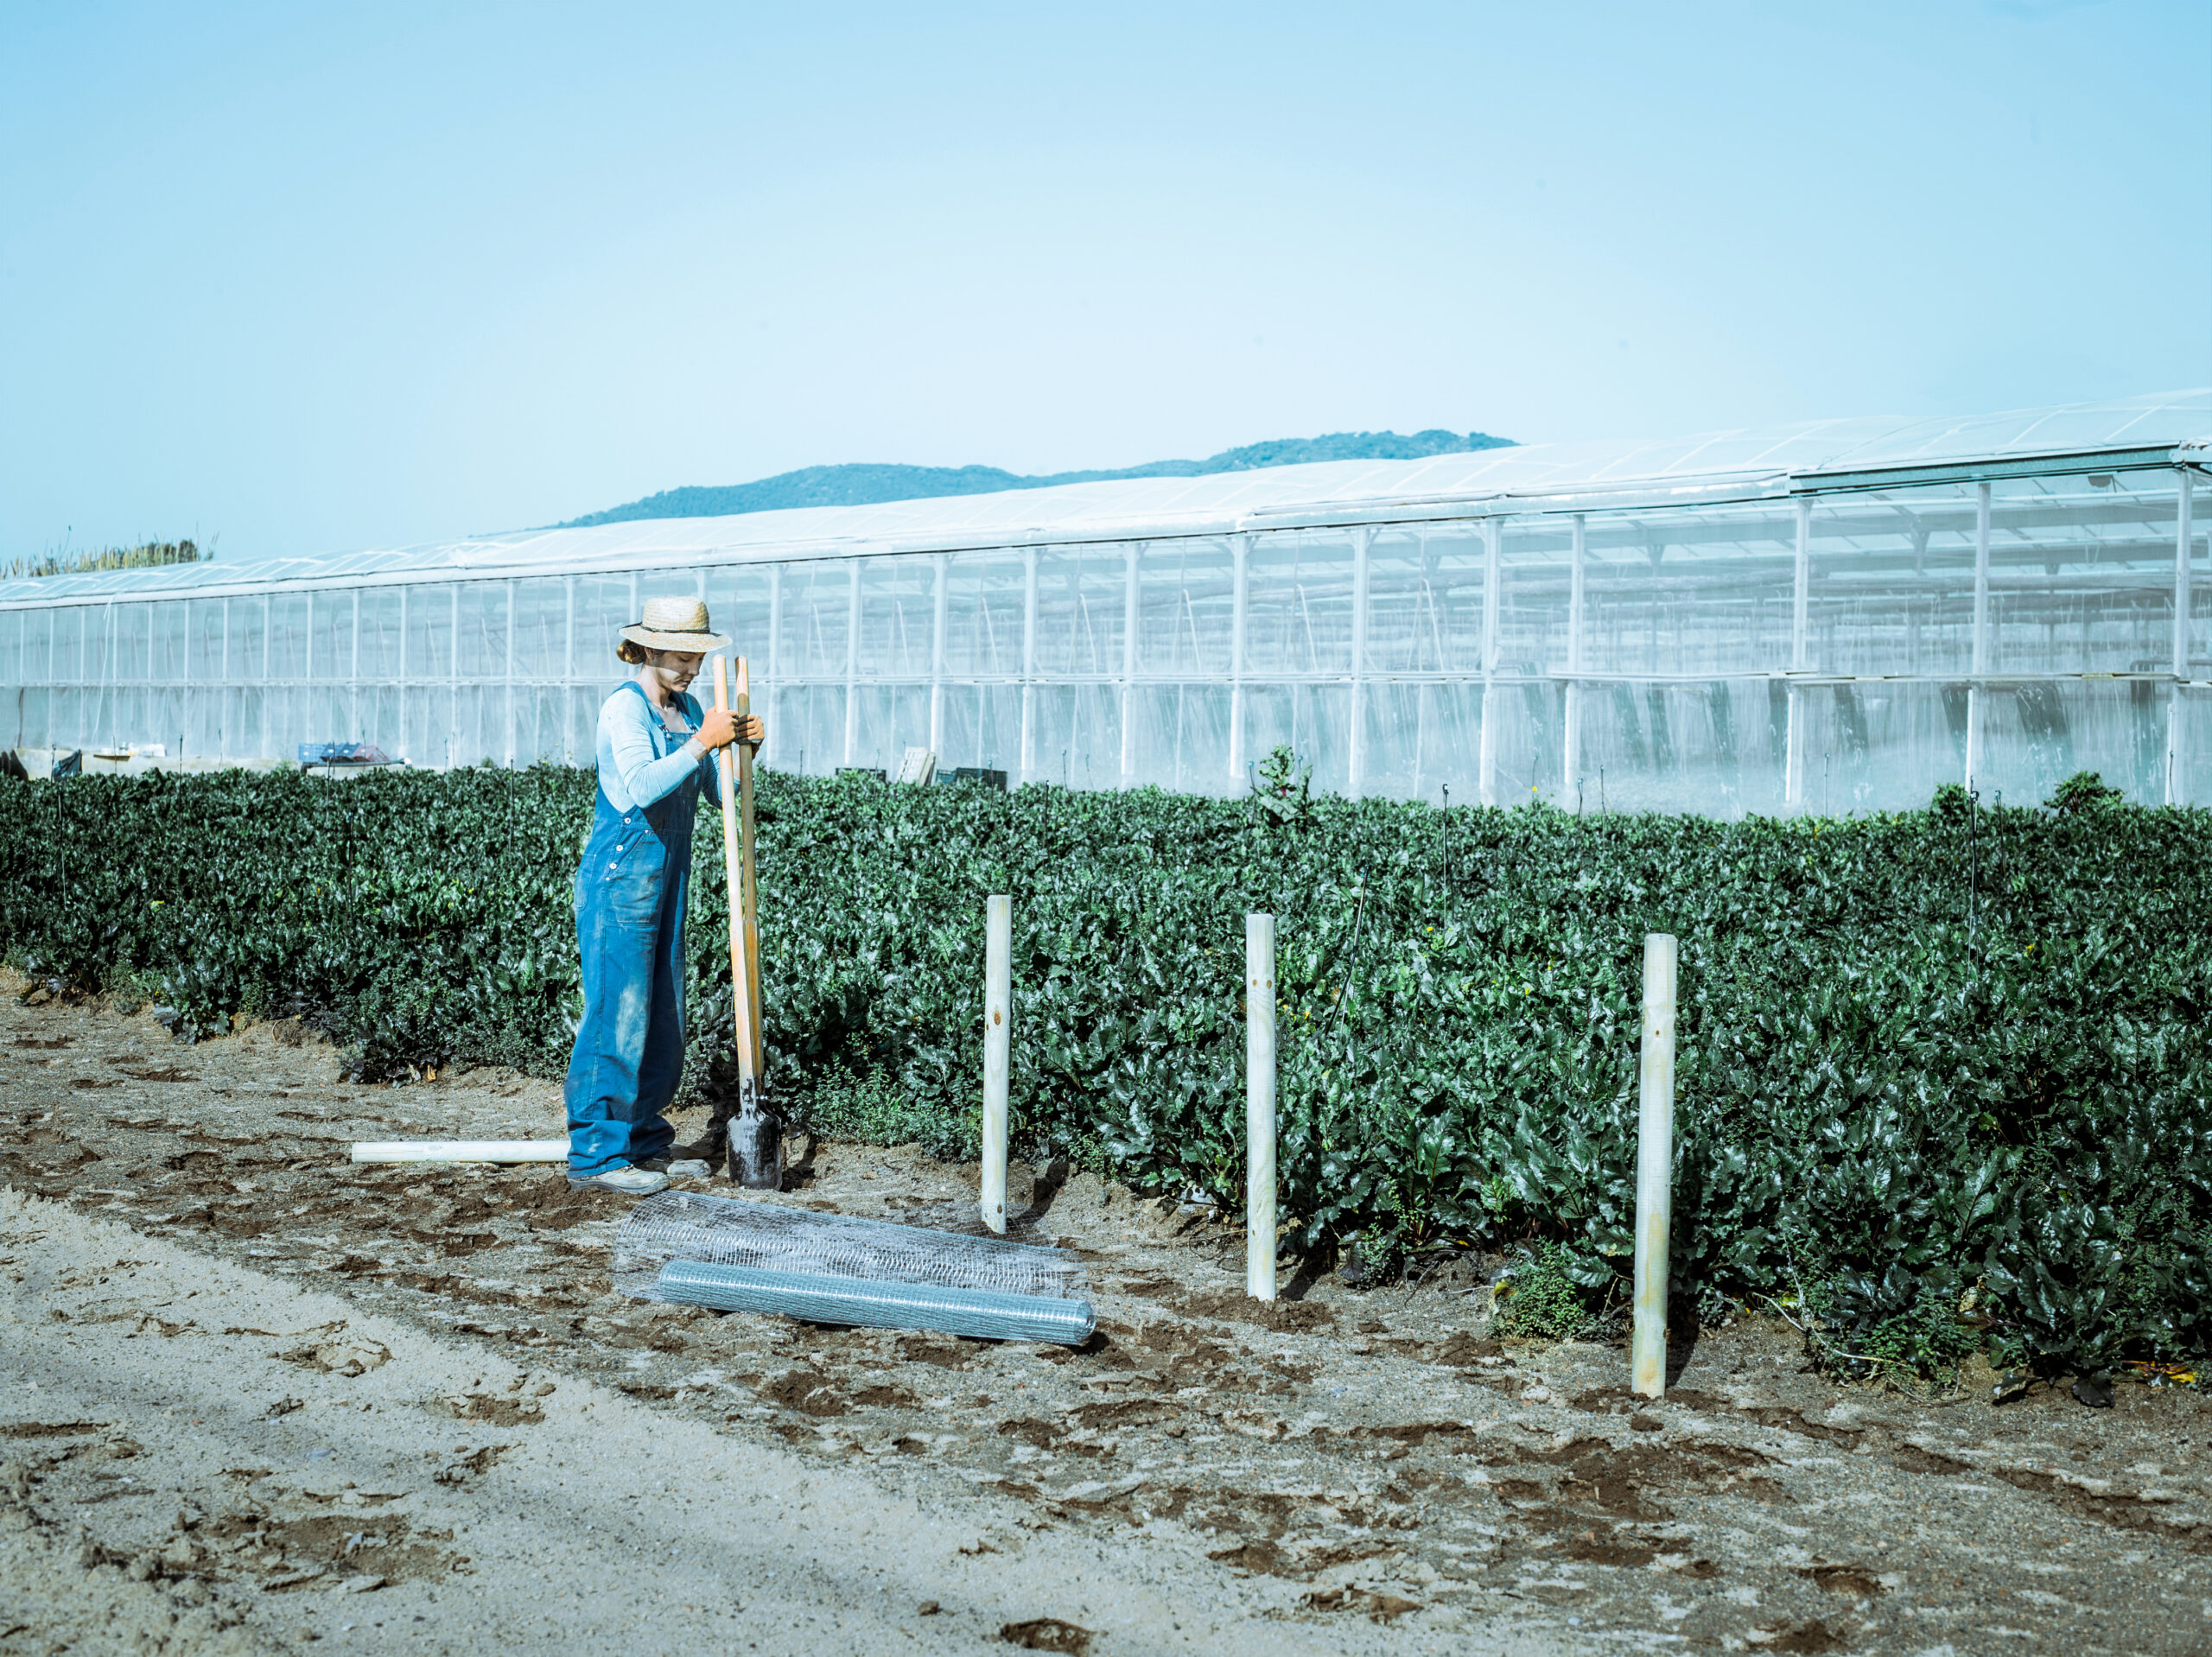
1836,616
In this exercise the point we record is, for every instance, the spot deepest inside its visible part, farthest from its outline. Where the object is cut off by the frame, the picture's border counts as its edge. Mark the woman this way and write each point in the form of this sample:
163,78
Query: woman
656,749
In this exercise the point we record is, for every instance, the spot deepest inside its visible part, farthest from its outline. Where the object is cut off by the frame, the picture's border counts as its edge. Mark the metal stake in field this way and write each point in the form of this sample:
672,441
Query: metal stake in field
1655,1166
998,1017
755,1137
1260,1106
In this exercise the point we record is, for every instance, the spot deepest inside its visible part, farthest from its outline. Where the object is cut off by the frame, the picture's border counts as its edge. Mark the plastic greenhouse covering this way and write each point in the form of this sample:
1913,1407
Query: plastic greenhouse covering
1840,615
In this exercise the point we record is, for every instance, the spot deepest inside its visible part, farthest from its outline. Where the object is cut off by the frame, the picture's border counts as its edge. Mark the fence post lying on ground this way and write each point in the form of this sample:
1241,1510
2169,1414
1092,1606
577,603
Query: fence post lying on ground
462,1150
998,1014
1260,1106
1655,1165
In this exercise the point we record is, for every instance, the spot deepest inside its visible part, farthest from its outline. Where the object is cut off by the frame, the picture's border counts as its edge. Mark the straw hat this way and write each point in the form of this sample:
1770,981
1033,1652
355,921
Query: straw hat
674,625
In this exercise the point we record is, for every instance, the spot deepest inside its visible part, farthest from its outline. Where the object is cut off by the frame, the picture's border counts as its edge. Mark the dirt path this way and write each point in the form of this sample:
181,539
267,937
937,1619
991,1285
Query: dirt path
275,1460
206,1292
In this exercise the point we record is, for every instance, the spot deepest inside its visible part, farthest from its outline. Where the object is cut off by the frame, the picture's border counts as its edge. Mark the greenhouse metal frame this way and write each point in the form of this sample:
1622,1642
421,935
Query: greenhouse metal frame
1840,616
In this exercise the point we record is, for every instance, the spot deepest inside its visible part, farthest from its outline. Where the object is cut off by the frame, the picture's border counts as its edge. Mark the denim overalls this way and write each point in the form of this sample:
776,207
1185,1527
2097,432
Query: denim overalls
630,892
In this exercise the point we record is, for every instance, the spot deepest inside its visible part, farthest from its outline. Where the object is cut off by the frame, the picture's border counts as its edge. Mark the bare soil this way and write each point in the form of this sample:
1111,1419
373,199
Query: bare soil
1340,1470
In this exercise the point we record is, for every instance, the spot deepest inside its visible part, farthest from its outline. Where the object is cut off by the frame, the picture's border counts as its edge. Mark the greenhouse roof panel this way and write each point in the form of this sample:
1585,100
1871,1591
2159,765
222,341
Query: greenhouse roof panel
1708,464
2170,419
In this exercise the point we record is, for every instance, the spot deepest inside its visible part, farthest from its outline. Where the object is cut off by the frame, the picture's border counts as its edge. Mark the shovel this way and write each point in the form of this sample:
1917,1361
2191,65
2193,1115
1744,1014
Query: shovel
755,1136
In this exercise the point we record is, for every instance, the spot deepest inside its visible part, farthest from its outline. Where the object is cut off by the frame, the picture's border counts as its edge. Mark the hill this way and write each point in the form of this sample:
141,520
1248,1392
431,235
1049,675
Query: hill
865,482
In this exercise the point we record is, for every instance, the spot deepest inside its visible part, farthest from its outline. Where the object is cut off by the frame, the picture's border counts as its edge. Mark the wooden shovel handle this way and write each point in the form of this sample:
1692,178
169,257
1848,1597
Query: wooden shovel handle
749,895
743,983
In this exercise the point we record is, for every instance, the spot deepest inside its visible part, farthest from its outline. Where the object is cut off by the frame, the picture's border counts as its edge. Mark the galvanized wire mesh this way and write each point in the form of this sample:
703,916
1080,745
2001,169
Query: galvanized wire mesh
876,1304
728,1231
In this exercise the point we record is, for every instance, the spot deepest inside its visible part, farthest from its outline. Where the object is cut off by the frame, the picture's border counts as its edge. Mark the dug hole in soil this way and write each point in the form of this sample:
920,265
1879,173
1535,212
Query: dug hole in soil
261,1398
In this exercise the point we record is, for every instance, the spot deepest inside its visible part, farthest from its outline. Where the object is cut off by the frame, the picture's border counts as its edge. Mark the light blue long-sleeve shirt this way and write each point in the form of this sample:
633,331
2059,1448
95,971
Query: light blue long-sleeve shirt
642,761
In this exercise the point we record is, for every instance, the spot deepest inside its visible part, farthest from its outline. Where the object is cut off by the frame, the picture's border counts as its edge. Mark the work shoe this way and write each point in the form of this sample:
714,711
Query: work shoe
630,1182
676,1168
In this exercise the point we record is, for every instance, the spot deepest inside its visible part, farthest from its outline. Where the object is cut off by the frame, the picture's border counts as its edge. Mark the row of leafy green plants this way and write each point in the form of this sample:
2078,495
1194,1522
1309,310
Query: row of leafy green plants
1941,1074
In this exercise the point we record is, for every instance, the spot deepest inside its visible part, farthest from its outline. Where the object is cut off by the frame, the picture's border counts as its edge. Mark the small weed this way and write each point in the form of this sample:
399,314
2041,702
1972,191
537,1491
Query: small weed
1540,1300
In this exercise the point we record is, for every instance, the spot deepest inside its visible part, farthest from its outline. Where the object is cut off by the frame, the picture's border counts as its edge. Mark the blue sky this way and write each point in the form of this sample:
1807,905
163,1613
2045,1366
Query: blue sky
308,278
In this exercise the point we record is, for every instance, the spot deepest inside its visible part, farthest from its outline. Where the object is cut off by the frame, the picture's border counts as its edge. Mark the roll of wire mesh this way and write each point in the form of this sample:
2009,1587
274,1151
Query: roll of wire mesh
877,1303
768,1236
743,1255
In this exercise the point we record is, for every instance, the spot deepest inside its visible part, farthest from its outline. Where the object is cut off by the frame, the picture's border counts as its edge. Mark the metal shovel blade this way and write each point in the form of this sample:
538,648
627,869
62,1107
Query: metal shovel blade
756,1147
